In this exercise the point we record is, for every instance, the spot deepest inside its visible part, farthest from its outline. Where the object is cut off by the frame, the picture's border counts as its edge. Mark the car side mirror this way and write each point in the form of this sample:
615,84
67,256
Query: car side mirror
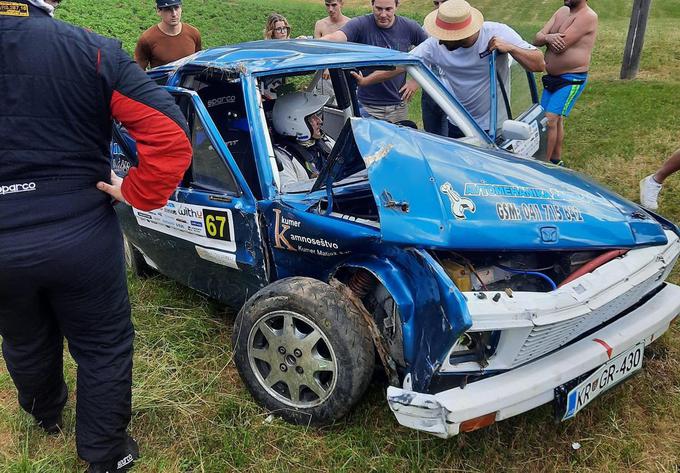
516,130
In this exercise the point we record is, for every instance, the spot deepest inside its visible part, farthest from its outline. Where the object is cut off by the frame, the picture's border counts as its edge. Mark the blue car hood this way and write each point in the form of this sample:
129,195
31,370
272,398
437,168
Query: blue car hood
439,193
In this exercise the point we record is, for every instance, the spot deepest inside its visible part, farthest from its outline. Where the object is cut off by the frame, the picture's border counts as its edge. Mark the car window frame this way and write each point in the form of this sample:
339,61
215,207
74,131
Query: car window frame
220,147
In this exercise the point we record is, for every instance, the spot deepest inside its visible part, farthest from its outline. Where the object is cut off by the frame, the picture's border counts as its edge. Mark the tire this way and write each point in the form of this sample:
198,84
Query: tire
329,371
134,259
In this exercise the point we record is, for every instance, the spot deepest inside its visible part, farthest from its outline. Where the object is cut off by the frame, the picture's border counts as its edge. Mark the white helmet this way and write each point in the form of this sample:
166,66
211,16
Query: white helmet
291,110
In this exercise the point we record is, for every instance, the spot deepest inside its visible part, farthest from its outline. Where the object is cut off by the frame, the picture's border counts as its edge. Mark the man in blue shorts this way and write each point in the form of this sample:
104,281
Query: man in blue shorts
569,37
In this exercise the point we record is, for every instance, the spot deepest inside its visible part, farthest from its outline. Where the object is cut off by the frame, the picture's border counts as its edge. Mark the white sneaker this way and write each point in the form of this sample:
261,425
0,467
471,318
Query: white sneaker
649,193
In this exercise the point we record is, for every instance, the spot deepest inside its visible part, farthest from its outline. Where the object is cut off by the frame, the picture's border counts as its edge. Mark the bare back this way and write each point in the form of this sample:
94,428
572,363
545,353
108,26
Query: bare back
325,26
579,31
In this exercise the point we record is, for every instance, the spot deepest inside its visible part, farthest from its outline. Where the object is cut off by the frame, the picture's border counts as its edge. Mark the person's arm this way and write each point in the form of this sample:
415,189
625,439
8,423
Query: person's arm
509,41
338,36
142,54
545,38
351,31
317,29
160,130
376,77
582,26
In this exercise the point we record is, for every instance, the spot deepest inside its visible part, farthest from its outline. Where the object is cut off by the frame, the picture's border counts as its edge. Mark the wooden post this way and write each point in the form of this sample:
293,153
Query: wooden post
636,39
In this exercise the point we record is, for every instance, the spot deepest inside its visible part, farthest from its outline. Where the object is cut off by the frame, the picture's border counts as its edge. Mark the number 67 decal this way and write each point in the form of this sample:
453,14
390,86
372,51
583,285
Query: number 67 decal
216,224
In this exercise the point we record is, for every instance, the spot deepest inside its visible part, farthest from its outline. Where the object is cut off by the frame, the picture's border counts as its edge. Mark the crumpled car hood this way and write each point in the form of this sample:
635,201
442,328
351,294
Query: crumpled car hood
433,192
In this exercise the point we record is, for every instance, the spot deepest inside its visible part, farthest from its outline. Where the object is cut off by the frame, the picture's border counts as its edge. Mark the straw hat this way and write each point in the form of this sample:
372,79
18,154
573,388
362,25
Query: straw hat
454,20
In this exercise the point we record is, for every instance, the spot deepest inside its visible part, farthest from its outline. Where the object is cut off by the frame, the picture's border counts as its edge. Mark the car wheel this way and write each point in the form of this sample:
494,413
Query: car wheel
134,259
303,351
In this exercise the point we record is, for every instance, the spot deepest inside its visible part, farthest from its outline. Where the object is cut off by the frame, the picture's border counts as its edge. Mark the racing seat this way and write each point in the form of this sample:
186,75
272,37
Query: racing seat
226,107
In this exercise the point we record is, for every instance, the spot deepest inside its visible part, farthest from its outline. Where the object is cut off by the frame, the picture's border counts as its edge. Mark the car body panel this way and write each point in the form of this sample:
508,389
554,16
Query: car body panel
423,196
458,198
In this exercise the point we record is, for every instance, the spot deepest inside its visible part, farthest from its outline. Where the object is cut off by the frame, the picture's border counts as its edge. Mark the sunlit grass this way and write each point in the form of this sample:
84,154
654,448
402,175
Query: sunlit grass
192,413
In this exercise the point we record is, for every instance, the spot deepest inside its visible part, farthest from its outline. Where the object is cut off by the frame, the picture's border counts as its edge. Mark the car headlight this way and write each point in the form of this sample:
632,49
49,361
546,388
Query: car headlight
475,346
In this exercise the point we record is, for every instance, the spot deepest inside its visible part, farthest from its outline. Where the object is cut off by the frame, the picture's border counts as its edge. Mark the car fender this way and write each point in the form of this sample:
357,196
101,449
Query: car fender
433,311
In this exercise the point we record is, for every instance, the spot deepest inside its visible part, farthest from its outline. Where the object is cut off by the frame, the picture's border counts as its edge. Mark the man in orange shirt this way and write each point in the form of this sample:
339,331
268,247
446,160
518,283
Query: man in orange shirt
169,40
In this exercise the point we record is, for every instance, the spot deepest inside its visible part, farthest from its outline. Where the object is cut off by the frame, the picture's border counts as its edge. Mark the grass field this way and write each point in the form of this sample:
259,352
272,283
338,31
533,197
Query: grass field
192,413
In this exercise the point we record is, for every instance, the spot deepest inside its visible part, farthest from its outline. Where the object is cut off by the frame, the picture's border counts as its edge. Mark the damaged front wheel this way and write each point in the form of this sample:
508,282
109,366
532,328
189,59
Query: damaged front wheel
303,351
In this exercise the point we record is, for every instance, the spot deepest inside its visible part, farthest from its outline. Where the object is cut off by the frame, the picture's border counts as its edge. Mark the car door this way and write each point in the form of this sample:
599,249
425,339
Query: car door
207,236
514,96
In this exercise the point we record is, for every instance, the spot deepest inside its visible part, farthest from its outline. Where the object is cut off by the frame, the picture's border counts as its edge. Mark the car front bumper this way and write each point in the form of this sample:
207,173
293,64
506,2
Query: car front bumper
531,385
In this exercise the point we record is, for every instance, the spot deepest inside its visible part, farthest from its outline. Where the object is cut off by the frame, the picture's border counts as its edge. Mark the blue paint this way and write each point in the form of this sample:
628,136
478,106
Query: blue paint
425,192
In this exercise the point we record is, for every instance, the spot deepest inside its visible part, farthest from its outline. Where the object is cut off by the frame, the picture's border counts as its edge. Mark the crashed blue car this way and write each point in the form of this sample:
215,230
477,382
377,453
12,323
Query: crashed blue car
483,282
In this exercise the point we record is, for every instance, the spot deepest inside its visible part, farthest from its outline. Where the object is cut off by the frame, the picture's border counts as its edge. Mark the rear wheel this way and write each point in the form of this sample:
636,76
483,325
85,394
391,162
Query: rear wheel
303,351
134,259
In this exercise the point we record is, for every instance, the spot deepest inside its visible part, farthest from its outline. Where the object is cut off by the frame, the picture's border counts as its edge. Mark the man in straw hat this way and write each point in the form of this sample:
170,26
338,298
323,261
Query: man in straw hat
569,37
459,42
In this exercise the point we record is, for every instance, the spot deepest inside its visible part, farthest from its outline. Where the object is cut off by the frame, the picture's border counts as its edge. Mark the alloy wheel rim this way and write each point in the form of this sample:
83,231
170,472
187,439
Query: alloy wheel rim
292,359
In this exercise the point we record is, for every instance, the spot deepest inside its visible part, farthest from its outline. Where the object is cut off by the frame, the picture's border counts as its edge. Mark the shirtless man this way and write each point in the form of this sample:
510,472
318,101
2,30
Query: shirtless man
569,37
333,22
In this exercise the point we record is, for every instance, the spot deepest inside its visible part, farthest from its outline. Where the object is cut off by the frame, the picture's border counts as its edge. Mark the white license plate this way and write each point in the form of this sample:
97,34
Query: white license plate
612,372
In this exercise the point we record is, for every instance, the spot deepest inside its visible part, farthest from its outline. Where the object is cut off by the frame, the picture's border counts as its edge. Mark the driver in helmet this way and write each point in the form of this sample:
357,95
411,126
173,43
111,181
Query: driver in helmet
301,147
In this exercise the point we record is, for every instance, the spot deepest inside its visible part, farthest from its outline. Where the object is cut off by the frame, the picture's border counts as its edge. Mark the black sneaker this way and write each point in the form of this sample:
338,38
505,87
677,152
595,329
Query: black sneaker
119,465
52,426
557,162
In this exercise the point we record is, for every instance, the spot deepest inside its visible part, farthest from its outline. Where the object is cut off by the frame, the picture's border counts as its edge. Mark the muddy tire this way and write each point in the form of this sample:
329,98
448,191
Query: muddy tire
303,351
135,260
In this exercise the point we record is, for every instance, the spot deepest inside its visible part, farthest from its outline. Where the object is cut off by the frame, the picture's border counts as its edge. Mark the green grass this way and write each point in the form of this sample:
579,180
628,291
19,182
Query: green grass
192,413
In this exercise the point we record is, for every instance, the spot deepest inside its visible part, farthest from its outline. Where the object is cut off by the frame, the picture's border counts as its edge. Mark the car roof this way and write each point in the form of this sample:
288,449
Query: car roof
271,55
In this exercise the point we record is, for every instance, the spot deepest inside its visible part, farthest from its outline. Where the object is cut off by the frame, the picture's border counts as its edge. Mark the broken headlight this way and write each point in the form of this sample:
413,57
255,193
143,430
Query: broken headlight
474,346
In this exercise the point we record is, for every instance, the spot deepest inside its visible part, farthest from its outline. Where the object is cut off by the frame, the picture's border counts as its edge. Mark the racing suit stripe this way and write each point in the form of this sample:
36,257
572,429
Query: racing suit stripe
163,148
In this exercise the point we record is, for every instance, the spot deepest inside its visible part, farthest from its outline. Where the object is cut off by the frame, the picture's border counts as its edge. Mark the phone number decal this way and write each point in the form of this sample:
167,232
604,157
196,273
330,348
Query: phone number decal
508,211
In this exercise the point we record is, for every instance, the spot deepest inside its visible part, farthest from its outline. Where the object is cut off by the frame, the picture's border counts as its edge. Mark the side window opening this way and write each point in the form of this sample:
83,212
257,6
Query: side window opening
208,171
515,96
226,105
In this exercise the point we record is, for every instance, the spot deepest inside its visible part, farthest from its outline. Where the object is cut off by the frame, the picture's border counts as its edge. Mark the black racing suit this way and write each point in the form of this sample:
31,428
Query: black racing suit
61,264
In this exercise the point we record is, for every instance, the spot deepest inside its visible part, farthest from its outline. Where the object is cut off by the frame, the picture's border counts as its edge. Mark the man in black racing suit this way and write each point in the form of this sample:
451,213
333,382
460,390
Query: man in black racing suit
62,269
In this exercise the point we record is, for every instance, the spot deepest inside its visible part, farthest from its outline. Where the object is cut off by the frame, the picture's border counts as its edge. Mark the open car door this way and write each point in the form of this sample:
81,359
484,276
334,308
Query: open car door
207,236
514,102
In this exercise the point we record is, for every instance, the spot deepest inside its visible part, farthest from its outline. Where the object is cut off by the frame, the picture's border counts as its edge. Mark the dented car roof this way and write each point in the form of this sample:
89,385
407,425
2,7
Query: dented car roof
263,56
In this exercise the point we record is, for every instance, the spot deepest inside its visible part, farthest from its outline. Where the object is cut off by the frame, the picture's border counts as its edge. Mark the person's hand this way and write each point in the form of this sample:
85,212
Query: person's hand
113,189
500,45
555,41
359,77
325,75
408,90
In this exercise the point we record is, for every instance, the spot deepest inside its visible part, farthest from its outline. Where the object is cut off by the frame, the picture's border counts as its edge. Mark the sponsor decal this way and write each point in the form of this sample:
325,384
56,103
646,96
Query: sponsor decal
510,211
13,9
120,165
221,101
125,461
501,190
315,241
208,227
18,188
218,257
280,229
459,205
305,244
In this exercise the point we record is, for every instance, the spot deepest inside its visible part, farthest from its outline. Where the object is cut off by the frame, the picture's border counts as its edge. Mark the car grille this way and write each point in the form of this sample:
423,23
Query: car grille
546,338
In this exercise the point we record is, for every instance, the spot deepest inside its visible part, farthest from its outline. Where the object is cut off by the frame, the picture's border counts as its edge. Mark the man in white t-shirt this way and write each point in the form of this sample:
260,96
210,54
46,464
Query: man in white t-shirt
459,43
